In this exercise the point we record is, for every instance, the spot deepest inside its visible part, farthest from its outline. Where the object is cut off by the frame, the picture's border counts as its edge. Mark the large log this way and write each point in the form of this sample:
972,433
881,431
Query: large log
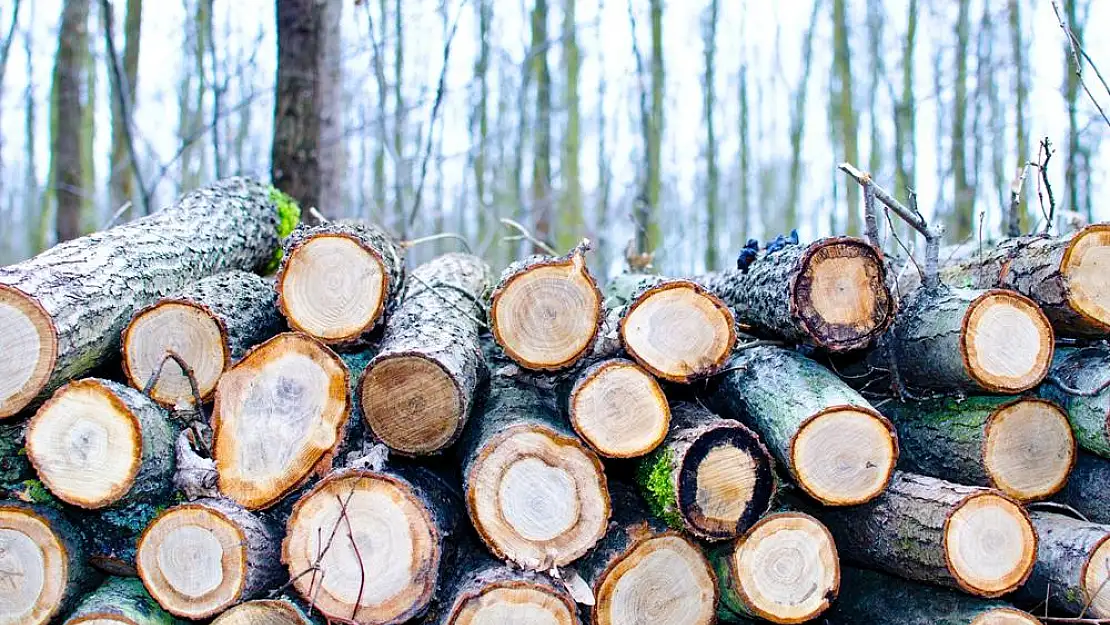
197,559
120,601
870,598
277,414
209,325
97,443
711,477
1080,383
535,494
838,448
265,612
418,391
974,539
618,409
337,280
62,311
43,565
1086,488
545,311
831,294
1023,447
1073,566
785,569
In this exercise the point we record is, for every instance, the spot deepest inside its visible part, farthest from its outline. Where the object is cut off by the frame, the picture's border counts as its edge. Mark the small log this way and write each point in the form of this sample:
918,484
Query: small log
535,494
277,413
418,391
43,567
1086,488
1073,566
98,443
265,612
197,559
618,409
1023,447
831,294
545,312
974,539
209,325
120,601
711,477
368,546
838,448
785,569
870,598
338,279
63,310
1080,383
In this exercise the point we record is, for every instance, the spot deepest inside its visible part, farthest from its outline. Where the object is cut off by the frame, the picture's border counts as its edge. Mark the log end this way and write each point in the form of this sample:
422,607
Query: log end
545,317
33,567
1094,578
786,568
185,329
1029,449
86,445
679,331
412,403
333,287
1005,616
537,498
844,455
276,414
1086,270
383,565
513,602
29,342
663,579
619,410
263,612
1006,342
990,545
840,294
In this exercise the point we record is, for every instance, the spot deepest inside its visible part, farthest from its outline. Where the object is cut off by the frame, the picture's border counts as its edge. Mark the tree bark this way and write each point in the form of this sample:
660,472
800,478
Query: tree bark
67,139
1085,490
618,409
113,535
542,200
1080,384
122,600
15,468
1073,564
122,172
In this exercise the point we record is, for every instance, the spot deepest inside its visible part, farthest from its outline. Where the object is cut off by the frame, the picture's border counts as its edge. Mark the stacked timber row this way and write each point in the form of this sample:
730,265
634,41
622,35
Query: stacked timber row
187,439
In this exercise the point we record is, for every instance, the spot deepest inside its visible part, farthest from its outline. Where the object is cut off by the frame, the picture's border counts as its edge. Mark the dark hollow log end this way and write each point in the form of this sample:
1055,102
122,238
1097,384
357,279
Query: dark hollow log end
412,403
193,333
844,455
1006,342
990,544
619,409
1084,267
29,342
1029,449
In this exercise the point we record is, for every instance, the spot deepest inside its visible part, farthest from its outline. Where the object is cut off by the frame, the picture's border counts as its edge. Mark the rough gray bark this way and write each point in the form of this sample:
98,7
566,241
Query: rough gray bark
121,599
90,287
1086,488
1065,549
113,535
14,465
1080,383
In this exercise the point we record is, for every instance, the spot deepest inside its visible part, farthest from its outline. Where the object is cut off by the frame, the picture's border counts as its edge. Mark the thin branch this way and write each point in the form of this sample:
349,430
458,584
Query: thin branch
870,217
525,234
185,369
1073,42
126,206
7,44
123,93
358,557
437,237
433,288
1013,226
1050,216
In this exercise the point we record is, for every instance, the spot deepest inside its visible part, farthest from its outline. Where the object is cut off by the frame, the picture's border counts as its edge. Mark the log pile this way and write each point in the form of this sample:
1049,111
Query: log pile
353,440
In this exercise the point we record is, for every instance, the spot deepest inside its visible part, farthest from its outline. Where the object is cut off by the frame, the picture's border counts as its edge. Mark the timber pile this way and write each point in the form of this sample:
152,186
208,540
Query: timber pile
184,437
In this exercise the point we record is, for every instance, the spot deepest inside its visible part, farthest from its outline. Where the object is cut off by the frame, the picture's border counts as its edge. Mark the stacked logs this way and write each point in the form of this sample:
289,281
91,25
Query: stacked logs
353,440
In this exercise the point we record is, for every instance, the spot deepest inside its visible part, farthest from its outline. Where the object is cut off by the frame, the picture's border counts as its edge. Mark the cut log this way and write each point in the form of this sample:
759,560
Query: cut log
1080,383
197,559
14,465
120,601
712,477
1073,566
418,391
1086,488
375,539
928,530
43,568
277,413
618,409
264,612
97,443
545,311
831,294
337,280
535,494
838,448
870,598
209,325
785,569
113,535
1023,447
62,311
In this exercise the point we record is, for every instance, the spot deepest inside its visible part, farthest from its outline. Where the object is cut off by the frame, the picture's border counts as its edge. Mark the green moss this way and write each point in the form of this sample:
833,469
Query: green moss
289,215
1072,596
33,491
654,476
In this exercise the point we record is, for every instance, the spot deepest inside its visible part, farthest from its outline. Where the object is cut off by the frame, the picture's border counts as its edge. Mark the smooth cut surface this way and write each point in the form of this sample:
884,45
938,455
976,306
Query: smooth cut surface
261,612
990,544
1029,449
726,480
411,403
85,445
514,604
185,330
1005,616
1086,267
840,288
844,456
333,288
1095,574
678,332
32,568
1007,342
664,579
621,411
29,344
537,499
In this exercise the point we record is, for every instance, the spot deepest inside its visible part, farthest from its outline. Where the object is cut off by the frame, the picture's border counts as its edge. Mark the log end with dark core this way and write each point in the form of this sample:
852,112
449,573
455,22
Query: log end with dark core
1006,342
990,545
844,455
840,295
263,612
619,409
29,342
512,601
1086,270
1029,449
190,332
678,330
412,403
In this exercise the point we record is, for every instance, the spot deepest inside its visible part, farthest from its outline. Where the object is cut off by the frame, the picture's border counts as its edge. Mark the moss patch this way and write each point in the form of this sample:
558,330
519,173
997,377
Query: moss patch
34,491
654,476
289,215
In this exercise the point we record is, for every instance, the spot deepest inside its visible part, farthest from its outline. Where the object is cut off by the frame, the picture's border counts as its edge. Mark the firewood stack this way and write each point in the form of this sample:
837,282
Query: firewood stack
357,441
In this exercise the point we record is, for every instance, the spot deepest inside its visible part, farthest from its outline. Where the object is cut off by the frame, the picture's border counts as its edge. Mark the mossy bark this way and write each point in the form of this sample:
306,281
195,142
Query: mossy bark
114,532
15,467
123,599
1086,488
1066,546
1085,370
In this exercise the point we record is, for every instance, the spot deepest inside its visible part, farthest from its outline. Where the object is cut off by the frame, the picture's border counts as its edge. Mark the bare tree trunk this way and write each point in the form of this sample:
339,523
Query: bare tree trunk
960,223
710,103
329,107
845,116
652,232
1021,65
5,49
1073,167
120,174
798,123
541,148
485,206
572,221
69,72
401,176
905,114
